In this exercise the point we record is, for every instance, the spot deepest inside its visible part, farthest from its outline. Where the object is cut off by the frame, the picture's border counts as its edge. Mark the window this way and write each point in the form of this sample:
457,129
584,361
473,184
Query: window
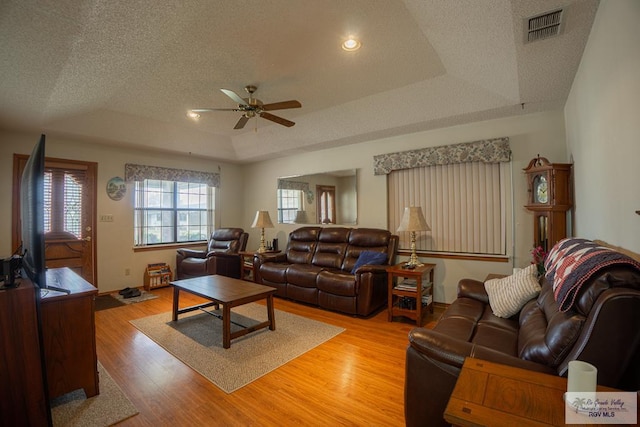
464,205
289,203
172,211
63,201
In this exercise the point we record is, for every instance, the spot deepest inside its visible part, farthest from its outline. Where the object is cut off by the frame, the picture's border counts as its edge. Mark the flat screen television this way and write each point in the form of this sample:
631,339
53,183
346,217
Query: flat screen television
32,218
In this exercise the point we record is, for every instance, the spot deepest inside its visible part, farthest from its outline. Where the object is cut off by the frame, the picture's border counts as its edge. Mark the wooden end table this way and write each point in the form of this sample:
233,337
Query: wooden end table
397,292
488,393
247,271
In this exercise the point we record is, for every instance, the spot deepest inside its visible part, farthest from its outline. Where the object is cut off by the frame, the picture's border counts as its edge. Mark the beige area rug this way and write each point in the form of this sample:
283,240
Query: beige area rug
196,339
109,407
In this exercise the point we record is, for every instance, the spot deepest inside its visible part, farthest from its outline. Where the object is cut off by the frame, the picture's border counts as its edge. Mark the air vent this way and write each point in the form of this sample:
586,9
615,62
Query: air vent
543,26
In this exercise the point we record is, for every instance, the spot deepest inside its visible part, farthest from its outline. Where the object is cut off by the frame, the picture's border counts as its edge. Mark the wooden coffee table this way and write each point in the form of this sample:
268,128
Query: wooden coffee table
229,293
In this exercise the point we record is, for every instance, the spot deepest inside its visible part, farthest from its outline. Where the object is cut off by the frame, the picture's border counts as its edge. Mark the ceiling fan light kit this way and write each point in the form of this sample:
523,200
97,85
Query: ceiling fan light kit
252,107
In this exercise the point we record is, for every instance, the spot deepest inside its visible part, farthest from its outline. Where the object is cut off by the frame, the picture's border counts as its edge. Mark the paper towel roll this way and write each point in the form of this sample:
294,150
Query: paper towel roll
583,377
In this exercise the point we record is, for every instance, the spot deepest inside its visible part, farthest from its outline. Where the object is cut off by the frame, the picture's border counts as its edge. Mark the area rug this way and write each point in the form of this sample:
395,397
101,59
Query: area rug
196,339
107,408
144,296
105,302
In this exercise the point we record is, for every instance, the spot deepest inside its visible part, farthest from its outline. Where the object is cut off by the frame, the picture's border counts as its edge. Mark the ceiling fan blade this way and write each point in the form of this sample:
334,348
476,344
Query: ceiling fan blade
207,110
243,121
281,105
237,98
276,119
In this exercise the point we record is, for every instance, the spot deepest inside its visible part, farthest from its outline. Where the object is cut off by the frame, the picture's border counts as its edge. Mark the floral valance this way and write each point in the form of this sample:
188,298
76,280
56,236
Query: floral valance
284,184
486,151
134,172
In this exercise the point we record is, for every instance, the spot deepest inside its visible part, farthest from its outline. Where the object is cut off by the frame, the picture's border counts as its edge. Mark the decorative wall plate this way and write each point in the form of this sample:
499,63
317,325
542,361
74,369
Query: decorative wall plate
116,188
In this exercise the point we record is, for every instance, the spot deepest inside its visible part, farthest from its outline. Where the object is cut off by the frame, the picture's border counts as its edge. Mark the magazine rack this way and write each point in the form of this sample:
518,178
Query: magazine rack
157,275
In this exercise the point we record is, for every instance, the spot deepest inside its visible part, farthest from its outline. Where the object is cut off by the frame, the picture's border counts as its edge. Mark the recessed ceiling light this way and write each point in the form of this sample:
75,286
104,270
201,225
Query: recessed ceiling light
351,44
193,115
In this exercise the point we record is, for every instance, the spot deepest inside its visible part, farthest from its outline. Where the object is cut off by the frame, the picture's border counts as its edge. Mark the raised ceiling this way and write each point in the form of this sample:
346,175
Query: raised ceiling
126,73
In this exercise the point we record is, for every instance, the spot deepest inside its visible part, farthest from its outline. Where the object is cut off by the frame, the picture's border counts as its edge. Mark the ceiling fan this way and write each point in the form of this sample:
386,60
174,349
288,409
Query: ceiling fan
252,107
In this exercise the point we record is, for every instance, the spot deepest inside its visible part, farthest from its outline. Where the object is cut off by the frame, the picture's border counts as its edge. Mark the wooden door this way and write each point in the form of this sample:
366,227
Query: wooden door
70,214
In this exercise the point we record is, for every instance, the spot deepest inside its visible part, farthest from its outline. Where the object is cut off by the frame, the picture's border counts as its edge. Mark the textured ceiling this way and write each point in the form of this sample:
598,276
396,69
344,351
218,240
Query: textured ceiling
127,72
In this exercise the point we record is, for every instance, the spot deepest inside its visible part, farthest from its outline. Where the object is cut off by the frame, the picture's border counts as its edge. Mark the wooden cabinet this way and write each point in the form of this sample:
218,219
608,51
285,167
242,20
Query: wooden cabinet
69,334
45,334
23,399
410,291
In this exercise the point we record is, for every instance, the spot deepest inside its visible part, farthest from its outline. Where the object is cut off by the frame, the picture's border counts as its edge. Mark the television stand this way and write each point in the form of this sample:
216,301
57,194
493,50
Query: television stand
69,334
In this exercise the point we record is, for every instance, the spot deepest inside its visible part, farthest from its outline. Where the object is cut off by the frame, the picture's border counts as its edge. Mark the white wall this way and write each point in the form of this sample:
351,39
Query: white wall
530,135
603,127
114,239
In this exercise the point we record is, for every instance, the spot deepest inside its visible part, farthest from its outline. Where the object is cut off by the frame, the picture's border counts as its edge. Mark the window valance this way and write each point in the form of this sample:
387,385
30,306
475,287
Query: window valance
133,172
487,151
293,185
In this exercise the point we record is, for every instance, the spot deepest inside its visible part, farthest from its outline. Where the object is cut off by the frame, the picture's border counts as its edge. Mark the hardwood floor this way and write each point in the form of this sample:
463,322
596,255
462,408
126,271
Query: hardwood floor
354,379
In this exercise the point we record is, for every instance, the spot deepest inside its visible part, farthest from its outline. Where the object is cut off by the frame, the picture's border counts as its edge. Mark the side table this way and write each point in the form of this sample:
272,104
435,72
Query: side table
246,257
406,294
488,393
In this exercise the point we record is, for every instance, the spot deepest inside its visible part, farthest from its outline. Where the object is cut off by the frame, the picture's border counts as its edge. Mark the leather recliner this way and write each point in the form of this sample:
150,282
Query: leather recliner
602,328
220,257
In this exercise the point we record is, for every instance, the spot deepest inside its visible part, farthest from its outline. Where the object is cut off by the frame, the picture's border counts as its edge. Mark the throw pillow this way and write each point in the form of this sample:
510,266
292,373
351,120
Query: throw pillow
371,258
509,294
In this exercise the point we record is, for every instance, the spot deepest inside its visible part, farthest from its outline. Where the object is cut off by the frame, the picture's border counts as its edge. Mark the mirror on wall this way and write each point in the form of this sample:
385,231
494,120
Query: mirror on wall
322,198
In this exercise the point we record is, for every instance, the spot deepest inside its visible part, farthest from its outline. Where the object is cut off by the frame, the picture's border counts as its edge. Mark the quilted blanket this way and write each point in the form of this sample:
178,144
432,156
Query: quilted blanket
571,262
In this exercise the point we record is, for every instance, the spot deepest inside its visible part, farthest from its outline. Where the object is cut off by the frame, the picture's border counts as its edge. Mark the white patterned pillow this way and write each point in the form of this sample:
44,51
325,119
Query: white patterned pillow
509,294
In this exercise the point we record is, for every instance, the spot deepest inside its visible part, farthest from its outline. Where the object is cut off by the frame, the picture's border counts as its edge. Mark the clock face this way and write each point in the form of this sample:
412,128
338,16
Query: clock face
540,189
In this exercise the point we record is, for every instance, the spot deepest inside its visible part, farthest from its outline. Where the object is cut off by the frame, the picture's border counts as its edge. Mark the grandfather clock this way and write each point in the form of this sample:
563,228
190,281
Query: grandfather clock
550,197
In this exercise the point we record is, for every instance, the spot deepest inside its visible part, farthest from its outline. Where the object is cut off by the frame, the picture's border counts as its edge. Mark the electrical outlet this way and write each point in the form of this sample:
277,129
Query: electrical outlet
127,272
106,218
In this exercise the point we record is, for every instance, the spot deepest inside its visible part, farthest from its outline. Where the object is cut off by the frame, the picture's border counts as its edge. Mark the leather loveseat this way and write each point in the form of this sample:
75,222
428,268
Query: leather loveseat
220,257
599,325
316,268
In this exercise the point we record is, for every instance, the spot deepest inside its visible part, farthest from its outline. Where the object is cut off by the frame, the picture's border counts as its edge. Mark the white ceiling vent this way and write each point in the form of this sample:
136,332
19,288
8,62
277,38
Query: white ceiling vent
543,26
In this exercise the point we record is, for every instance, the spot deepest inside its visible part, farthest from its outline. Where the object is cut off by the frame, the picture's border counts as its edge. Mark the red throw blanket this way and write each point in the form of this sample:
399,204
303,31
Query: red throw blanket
571,262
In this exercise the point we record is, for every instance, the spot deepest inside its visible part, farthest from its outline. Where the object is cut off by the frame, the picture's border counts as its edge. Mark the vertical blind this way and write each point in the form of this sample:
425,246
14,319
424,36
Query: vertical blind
463,203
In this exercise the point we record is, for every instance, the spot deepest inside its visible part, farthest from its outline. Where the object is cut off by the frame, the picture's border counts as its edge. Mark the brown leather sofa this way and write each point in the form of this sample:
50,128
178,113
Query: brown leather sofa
602,328
220,257
316,268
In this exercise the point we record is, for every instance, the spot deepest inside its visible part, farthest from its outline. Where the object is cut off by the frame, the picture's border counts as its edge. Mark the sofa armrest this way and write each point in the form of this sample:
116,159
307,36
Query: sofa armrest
473,289
371,268
226,255
440,347
262,258
192,253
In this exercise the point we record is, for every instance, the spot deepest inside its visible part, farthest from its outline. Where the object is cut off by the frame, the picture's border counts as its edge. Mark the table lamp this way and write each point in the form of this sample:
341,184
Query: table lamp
301,217
262,221
413,220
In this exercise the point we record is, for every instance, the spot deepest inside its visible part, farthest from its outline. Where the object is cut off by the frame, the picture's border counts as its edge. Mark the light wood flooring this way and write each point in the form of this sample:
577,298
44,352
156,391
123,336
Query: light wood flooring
354,379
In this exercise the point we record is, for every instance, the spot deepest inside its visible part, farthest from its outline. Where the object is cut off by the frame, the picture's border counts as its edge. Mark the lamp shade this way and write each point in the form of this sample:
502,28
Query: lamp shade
413,220
262,220
301,217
